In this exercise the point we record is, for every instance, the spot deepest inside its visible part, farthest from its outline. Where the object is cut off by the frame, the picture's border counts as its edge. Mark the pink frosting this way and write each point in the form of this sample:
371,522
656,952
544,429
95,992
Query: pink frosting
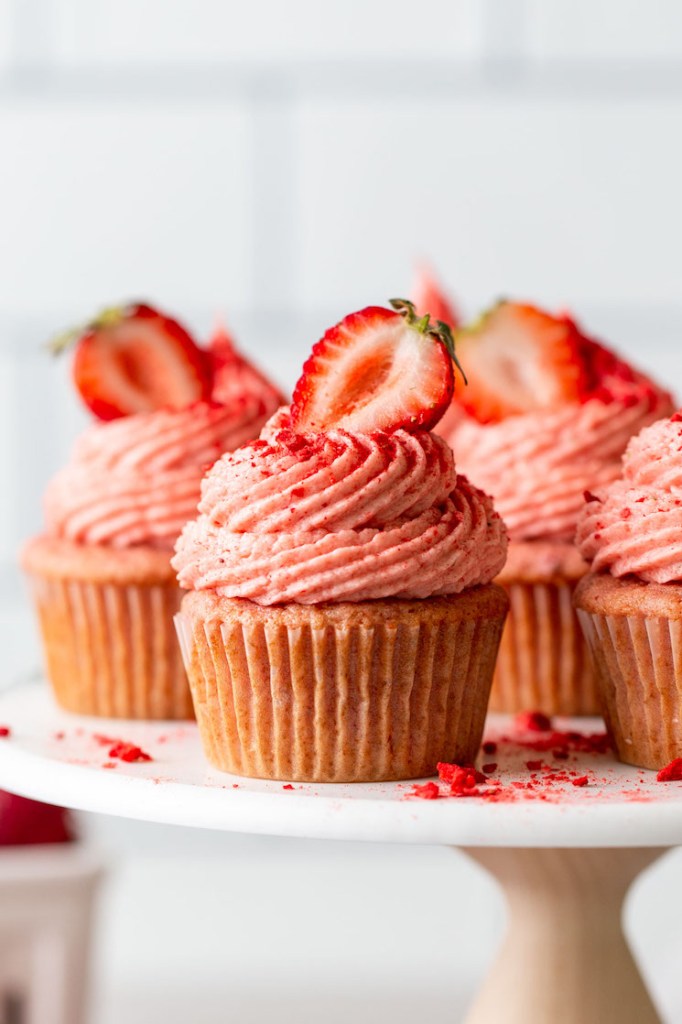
537,465
635,524
136,480
339,516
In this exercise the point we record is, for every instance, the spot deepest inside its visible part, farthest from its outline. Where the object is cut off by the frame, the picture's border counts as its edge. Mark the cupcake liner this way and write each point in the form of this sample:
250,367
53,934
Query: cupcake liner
110,648
638,662
341,693
544,661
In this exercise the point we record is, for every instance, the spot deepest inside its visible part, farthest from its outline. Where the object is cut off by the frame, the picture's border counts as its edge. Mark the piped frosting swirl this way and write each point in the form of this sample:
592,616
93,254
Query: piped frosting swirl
634,526
339,516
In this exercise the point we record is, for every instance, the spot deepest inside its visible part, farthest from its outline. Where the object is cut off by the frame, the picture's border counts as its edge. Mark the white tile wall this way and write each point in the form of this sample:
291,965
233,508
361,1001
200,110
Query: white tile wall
570,202
7,448
166,31
606,29
5,33
107,201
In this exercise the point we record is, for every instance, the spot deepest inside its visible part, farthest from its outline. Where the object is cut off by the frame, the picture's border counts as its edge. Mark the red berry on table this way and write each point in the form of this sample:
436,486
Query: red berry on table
429,297
377,370
518,359
134,359
26,822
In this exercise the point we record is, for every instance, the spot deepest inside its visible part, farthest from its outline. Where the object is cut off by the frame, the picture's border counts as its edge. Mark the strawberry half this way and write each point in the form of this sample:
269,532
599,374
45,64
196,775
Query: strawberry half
134,359
232,374
377,370
429,297
518,359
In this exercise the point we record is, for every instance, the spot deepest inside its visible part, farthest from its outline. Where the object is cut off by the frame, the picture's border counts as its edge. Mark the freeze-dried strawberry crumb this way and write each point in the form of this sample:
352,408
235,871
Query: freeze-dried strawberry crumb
288,786
533,721
463,781
5,731
582,780
533,766
561,744
489,768
109,764
427,791
672,772
489,747
128,752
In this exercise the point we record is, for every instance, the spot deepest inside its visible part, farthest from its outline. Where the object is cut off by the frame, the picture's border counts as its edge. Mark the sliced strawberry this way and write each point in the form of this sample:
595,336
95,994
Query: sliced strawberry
429,297
134,359
517,359
609,378
233,374
377,370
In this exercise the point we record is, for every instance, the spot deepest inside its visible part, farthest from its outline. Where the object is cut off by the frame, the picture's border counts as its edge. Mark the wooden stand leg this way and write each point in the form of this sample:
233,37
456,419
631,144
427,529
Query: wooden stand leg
565,958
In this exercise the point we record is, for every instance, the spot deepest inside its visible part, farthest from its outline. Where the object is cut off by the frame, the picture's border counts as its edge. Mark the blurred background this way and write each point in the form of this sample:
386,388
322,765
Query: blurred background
281,164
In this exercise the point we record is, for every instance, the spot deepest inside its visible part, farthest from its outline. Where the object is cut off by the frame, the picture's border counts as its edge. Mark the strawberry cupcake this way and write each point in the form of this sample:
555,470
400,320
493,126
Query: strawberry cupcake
100,574
630,604
546,417
341,623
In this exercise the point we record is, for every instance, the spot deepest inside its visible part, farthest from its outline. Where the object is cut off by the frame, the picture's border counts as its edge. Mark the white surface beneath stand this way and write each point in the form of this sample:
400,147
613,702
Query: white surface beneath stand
57,757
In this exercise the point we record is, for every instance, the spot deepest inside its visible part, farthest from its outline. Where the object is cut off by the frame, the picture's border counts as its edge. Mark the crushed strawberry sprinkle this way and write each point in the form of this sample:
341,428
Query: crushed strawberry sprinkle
128,752
532,721
563,769
5,731
288,786
427,791
672,772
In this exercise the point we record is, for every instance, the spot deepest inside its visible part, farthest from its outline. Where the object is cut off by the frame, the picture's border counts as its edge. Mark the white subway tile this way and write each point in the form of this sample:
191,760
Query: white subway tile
120,31
619,29
5,33
566,201
8,443
106,202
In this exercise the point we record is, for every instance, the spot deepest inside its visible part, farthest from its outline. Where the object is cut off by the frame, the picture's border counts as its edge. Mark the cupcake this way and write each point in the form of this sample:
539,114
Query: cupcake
630,603
340,623
546,417
100,573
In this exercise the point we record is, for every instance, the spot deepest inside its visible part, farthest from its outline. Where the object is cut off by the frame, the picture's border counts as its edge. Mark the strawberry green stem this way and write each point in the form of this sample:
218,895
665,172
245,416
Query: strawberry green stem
440,330
108,317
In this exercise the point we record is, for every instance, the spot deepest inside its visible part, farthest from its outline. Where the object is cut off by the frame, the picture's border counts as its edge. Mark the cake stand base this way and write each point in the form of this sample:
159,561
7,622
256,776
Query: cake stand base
565,958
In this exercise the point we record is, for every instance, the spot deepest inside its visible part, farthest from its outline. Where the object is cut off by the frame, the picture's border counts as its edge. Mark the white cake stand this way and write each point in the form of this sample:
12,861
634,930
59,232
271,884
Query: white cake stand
565,854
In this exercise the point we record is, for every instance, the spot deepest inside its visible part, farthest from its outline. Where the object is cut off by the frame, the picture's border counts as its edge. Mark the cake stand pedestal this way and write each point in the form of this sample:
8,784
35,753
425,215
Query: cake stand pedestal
564,958
565,852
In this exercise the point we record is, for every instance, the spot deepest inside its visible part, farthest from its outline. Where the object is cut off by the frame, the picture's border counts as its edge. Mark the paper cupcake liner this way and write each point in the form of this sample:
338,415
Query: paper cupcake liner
110,649
544,662
638,662
347,693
